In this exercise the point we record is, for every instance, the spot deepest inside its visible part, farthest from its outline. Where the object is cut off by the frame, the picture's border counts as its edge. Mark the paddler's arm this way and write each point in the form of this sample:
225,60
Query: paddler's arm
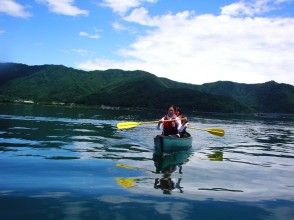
185,124
184,120
160,124
183,127
179,124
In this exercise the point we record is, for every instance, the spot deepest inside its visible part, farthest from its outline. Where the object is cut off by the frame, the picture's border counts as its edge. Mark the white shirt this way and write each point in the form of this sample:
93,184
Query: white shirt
183,127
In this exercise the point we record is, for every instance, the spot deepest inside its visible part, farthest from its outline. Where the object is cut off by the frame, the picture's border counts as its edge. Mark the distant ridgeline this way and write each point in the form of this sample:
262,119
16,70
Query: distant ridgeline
60,84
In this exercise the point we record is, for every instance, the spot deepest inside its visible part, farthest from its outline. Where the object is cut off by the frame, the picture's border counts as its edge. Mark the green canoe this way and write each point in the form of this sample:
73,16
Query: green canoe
172,143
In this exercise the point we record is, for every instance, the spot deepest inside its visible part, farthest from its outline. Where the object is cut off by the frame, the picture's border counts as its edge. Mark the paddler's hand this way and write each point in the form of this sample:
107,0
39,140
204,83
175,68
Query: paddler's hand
159,123
184,120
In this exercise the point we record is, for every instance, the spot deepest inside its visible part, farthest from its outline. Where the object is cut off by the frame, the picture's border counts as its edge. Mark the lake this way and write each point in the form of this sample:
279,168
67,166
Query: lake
72,163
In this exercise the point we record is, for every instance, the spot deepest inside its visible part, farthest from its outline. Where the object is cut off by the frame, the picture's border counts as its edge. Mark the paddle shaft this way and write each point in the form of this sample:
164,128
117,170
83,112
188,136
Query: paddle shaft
131,124
126,166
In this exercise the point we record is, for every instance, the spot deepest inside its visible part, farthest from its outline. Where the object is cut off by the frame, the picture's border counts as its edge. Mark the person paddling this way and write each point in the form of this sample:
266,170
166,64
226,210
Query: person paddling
184,122
170,123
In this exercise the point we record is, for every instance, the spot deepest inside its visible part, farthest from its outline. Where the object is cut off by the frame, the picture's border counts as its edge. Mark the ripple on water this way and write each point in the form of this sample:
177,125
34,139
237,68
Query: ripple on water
67,163
251,160
18,141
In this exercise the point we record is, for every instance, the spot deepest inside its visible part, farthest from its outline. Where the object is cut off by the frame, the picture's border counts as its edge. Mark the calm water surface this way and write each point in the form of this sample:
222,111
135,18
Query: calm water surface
72,163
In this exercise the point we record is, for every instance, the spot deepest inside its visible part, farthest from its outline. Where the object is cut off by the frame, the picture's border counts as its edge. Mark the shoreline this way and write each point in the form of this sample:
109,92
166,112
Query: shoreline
120,108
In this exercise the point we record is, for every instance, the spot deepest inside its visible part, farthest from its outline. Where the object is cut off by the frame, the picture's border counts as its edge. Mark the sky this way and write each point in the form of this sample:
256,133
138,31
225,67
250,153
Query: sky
193,41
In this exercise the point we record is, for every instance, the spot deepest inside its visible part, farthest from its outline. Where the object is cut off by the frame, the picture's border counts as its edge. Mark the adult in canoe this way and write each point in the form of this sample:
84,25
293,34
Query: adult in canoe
170,123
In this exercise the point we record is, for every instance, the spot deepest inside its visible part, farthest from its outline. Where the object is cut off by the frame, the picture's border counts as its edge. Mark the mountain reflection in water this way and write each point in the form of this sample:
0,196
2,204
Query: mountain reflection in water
72,163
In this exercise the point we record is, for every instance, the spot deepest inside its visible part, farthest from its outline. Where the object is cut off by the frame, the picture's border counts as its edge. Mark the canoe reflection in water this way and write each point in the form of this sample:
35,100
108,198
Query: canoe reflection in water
166,184
167,164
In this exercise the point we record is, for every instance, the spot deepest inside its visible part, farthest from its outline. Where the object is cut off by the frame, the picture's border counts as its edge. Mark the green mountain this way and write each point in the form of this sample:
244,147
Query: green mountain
264,97
56,83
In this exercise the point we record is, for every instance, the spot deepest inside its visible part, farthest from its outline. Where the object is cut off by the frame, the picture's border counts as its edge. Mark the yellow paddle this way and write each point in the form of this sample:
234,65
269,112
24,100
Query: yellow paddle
126,166
126,182
215,131
132,124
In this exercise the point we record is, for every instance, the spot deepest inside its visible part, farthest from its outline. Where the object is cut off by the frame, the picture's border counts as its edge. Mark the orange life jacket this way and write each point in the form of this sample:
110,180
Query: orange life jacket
170,127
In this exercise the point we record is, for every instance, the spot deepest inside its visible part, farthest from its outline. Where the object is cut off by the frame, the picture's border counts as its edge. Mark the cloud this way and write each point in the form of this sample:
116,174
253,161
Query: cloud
122,6
12,8
123,26
118,26
251,8
2,32
141,16
202,48
63,7
91,36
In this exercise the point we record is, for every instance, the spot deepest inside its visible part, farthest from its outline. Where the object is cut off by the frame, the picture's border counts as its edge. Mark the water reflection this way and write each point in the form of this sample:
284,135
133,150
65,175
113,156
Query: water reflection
216,156
167,164
167,185
221,189
126,182
46,151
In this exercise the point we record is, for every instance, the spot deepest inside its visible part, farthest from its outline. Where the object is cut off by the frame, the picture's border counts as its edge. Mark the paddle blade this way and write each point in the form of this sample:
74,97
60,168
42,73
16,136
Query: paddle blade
216,131
127,125
216,156
124,166
126,182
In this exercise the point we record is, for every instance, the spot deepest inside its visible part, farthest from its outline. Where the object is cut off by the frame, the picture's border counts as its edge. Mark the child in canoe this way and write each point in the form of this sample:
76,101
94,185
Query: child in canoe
170,123
184,122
